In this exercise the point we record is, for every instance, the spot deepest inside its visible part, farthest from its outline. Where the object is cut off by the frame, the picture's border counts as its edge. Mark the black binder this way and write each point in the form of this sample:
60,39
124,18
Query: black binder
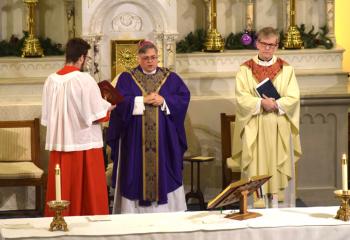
267,88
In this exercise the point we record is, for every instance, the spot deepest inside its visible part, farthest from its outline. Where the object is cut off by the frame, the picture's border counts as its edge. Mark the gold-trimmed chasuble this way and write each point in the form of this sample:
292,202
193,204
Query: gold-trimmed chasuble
150,126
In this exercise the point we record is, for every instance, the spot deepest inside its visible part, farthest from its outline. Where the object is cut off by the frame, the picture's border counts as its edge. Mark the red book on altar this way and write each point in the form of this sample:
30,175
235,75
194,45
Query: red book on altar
109,93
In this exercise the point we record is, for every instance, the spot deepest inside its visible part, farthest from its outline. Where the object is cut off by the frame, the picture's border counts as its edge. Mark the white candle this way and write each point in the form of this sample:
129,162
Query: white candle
344,170
58,182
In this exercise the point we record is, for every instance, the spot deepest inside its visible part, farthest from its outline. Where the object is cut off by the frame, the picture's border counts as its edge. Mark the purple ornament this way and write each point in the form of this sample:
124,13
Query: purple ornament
246,39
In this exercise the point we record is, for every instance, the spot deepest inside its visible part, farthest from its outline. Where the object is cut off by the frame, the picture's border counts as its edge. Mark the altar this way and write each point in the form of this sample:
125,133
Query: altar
285,223
325,92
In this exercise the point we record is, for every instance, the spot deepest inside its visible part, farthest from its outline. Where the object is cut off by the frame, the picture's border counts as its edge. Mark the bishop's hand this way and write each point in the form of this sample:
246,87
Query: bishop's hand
153,99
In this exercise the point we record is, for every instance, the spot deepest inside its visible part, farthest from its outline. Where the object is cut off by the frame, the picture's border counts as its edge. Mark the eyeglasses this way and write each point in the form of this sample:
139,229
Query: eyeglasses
149,58
268,45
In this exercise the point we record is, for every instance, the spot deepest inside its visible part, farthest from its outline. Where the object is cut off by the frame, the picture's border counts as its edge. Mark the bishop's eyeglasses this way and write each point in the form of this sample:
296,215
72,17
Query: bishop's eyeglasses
149,58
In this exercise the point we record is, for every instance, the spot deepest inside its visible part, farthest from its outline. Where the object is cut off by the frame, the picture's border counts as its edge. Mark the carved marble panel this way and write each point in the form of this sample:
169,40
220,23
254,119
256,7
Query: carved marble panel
323,131
13,67
127,22
230,61
131,20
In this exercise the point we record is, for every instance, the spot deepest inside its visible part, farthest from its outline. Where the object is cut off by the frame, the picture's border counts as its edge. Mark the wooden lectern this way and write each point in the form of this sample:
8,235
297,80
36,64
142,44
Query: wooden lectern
239,191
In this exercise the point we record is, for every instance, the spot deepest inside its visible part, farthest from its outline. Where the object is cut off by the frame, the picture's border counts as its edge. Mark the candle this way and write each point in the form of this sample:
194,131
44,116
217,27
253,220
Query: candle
58,182
344,170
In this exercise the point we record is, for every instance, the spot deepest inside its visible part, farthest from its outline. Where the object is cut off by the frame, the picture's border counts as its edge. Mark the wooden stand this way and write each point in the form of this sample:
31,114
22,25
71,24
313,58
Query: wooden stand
243,213
239,191
197,194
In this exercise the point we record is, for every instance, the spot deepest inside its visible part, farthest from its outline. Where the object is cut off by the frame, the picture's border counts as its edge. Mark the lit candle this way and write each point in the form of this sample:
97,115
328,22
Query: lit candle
58,182
344,170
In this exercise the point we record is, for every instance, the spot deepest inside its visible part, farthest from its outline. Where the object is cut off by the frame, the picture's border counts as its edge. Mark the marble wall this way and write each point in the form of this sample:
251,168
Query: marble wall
231,15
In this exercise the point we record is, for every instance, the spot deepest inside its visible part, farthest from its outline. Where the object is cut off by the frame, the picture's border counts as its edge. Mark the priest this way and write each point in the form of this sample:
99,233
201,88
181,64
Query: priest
147,137
266,135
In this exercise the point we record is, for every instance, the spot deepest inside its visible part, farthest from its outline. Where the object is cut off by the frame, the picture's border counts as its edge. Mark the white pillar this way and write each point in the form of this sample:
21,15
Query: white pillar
70,17
286,9
170,50
166,45
250,15
159,42
94,62
330,19
207,14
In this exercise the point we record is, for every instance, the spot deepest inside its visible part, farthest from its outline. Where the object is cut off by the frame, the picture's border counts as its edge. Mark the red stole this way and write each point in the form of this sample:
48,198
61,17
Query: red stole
262,72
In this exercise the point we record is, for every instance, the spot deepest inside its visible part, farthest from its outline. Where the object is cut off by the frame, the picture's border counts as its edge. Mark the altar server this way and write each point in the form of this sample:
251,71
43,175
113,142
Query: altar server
72,108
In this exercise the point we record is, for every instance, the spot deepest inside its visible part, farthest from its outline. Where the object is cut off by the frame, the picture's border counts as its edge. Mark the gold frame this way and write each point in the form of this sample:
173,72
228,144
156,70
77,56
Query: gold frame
123,56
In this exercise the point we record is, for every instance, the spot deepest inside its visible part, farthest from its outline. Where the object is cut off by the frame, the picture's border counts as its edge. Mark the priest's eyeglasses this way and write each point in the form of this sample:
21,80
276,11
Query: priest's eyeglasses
268,45
149,58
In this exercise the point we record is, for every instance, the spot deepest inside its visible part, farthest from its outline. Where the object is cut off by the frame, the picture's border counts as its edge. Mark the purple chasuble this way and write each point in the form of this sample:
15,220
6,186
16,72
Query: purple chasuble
171,137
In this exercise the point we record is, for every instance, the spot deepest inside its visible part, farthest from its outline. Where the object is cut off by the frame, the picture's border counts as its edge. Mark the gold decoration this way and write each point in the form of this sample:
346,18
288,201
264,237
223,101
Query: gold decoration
292,39
124,55
213,42
344,210
58,223
32,46
127,58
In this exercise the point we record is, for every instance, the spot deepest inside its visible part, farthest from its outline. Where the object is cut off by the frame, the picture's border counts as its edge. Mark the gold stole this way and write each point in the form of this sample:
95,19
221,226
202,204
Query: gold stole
148,84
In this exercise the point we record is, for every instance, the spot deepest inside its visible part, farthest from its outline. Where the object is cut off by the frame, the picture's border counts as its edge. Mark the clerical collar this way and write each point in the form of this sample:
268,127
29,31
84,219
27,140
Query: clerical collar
264,60
67,69
149,73
265,63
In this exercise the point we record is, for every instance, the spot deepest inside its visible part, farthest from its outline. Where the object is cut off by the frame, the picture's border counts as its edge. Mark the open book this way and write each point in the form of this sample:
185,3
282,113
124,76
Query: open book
109,93
232,193
267,88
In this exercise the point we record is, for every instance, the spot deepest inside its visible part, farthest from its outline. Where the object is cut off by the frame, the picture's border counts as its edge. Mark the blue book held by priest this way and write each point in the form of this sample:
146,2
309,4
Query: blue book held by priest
267,88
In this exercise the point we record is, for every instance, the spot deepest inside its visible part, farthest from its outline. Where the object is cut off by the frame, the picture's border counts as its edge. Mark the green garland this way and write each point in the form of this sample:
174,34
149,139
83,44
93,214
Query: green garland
14,46
314,40
195,41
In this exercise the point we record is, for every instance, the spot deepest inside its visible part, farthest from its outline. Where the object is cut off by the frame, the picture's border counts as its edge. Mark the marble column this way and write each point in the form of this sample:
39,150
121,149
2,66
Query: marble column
93,62
159,42
330,19
166,45
286,15
207,13
250,15
70,17
170,50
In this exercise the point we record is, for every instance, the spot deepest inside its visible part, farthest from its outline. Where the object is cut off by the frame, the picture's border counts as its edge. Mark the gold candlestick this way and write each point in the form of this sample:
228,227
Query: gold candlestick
292,39
214,42
58,223
344,211
32,46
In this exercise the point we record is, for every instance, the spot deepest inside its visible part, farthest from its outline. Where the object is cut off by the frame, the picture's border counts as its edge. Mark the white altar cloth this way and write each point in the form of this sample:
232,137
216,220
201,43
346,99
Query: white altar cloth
287,223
